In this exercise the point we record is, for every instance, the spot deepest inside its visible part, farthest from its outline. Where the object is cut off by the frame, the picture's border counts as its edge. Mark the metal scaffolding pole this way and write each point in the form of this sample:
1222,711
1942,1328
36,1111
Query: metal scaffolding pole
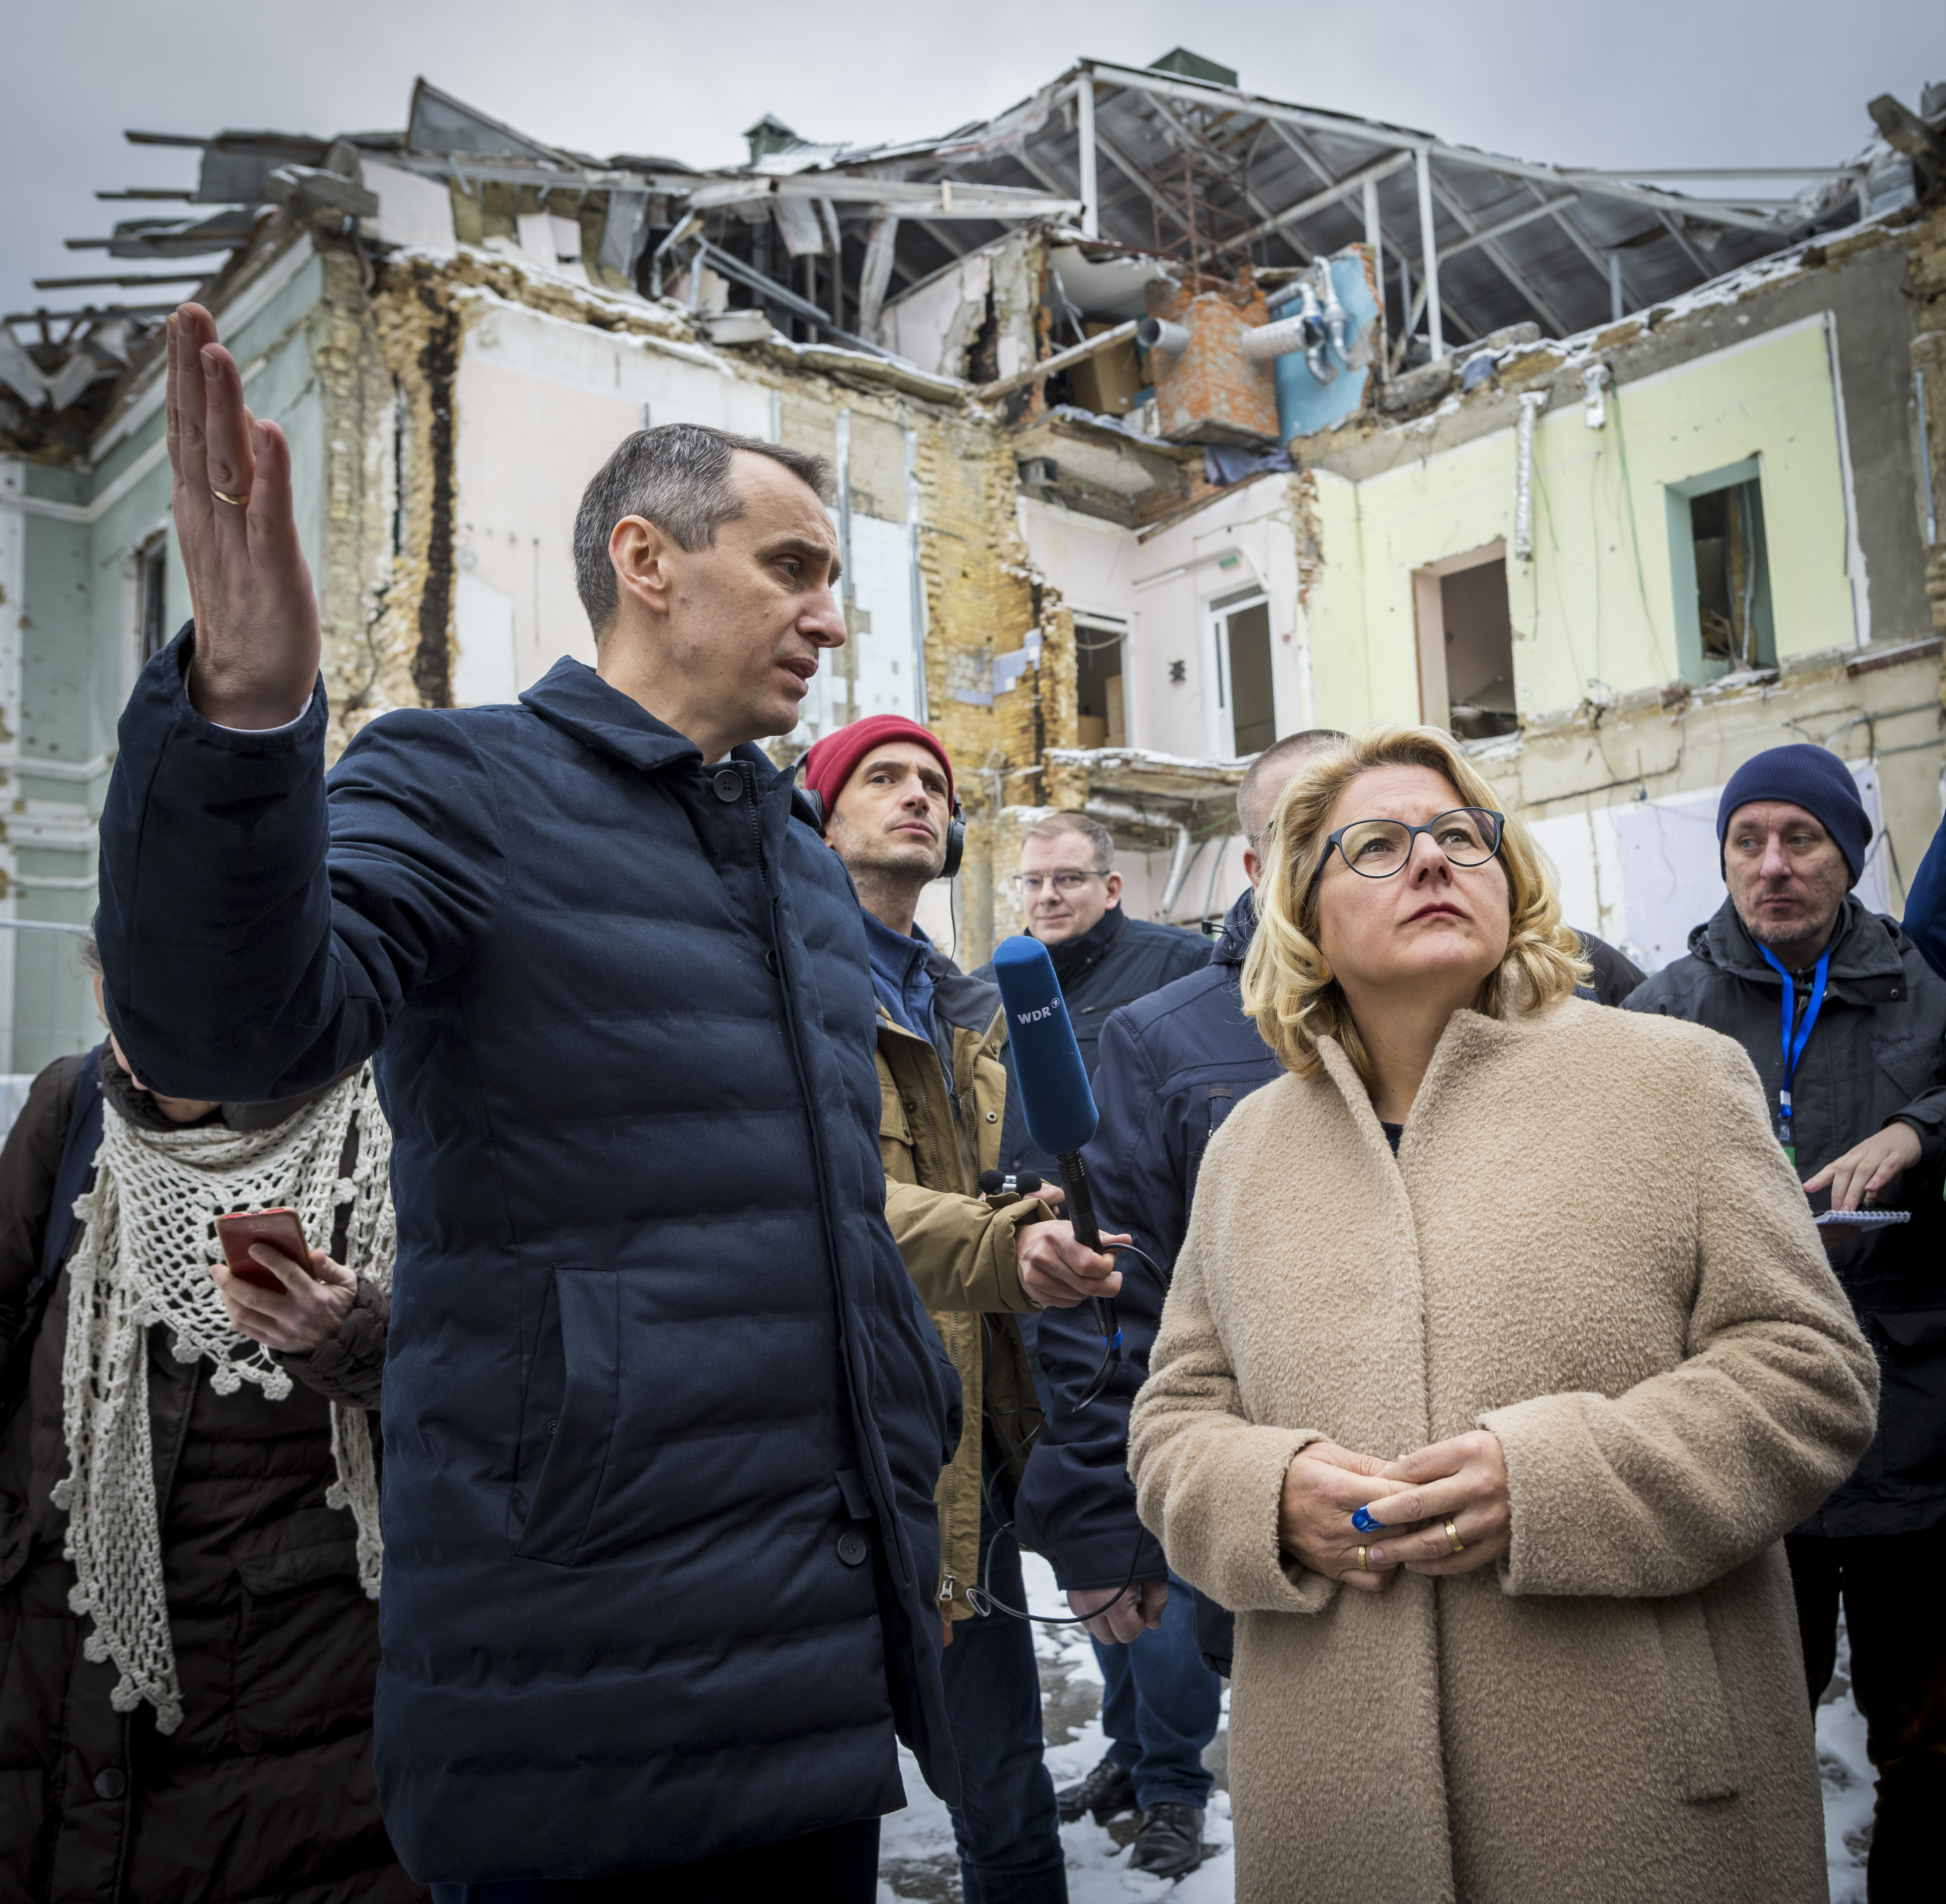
1428,248
1091,196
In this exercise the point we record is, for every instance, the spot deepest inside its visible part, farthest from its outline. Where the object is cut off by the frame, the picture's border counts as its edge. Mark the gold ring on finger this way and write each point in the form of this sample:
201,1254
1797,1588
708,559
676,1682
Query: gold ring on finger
1453,1538
235,501
1363,1566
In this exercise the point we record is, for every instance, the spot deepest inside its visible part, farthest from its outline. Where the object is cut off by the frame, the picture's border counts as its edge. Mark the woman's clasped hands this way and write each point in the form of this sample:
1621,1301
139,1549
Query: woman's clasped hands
1354,1518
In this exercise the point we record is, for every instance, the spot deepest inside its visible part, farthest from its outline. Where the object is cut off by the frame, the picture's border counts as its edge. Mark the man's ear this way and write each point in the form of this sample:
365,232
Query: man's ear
644,557
1113,883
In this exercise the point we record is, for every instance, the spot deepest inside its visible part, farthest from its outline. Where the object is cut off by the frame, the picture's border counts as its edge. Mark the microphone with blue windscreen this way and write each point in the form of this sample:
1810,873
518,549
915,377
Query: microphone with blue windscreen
1054,1096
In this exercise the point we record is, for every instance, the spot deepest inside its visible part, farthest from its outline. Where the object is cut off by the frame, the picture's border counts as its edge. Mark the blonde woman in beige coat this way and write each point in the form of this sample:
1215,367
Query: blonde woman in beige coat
1575,1348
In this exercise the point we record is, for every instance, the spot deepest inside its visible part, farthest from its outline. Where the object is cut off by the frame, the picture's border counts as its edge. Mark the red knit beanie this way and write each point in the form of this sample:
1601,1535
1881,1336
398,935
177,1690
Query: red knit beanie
833,760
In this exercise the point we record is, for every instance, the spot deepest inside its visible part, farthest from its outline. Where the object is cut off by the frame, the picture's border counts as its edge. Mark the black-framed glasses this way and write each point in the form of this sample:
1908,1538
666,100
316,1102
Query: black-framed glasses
1376,849
1030,883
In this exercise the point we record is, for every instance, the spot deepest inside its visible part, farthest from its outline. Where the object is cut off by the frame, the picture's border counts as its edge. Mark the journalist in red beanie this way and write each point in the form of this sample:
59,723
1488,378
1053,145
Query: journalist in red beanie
831,763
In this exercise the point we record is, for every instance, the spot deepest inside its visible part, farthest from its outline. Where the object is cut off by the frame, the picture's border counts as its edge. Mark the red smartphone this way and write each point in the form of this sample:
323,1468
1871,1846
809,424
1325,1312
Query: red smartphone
279,1228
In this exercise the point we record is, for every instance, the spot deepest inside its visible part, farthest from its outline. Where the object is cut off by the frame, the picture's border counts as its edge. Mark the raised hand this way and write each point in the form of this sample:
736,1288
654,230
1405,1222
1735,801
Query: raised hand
257,636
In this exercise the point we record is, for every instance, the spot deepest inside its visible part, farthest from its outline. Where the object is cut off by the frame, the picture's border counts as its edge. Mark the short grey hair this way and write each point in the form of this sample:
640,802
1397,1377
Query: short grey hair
1097,836
1253,811
678,477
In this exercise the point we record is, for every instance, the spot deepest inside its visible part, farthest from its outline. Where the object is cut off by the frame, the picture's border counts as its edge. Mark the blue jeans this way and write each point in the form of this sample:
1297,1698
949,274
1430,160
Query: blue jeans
1006,1827
1160,1705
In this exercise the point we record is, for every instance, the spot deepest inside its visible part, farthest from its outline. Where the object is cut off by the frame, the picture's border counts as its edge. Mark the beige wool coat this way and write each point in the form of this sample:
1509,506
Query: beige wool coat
1590,1244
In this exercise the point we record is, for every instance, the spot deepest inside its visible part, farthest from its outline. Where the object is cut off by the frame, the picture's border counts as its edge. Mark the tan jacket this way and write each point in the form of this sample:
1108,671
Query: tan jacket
958,1248
1591,1244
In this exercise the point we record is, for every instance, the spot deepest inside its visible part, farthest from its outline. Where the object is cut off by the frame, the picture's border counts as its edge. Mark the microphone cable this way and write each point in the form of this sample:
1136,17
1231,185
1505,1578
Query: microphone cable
981,1598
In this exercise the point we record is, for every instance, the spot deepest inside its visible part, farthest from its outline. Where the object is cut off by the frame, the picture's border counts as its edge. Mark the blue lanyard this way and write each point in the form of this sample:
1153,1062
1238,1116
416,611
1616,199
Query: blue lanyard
1793,1048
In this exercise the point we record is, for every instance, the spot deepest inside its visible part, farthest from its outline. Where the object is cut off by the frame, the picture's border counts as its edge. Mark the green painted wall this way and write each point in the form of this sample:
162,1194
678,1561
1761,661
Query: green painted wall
1596,602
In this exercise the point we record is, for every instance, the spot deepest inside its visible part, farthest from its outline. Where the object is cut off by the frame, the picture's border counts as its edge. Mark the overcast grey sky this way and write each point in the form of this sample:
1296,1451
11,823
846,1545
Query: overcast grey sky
1654,83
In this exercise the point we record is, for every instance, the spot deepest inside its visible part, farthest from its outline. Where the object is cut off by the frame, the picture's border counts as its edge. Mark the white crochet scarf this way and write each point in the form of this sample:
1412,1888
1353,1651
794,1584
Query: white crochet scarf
145,1257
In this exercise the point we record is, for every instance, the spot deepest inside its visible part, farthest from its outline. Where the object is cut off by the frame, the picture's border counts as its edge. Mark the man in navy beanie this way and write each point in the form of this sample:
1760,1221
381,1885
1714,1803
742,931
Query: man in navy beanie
1845,1023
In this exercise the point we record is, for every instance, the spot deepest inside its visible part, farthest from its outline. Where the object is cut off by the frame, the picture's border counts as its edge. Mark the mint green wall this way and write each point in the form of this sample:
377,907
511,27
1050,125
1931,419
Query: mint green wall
1596,601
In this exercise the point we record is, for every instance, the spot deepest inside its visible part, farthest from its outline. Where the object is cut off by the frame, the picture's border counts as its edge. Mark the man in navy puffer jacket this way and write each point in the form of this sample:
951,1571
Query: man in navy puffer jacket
663,1414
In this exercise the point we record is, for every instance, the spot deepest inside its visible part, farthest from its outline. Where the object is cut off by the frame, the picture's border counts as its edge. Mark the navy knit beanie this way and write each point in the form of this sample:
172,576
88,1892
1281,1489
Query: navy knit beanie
1813,778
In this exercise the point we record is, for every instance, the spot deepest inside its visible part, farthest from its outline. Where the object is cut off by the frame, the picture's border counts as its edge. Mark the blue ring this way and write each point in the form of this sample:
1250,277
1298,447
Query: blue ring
1364,1521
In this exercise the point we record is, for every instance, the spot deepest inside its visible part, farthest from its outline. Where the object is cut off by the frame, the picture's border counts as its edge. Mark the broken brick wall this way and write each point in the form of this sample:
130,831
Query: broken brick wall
390,357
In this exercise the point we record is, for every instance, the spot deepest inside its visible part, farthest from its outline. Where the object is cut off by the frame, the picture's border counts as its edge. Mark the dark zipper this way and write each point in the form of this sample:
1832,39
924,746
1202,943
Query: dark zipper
749,774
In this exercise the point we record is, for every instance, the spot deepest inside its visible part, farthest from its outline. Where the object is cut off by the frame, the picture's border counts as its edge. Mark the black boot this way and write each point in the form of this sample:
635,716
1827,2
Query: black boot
1170,1843
1107,1791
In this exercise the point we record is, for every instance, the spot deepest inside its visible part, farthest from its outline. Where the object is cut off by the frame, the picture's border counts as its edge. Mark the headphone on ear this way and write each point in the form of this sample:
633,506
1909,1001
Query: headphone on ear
956,827
956,840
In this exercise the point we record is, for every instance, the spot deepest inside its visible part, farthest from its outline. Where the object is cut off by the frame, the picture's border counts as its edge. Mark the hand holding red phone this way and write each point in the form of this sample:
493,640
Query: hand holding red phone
276,1288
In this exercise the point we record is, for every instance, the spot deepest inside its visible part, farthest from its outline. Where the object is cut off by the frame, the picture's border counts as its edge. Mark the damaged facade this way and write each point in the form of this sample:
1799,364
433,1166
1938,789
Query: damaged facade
1169,420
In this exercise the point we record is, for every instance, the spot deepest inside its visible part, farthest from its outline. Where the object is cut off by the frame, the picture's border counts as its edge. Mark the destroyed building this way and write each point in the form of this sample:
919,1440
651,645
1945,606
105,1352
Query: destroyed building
1168,418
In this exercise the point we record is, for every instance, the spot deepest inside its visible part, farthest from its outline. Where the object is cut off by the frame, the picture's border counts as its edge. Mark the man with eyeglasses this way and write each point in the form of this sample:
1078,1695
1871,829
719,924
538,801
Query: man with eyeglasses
1071,901
1845,1023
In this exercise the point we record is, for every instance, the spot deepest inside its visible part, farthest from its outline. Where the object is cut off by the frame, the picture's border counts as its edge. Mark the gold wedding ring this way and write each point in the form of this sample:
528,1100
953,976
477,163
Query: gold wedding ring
235,501
1453,1539
1363,1567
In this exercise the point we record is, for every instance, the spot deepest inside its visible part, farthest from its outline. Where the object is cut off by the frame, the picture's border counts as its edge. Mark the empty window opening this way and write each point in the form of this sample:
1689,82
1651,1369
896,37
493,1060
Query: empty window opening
1246,697
1097,683
1732,579
1720,573
1479,643
152,606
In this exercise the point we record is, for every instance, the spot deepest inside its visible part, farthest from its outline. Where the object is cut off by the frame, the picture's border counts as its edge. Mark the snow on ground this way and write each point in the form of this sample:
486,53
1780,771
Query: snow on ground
917,1864
1847,1776
916,1860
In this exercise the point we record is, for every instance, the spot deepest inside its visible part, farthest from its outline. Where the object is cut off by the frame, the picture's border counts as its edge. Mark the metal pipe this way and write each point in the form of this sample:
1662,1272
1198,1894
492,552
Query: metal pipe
1179,871
1926,459
1308,316
1428,249
1090,195
1276,340
1337,325
1617,310
1374,234
1532,404
1159,334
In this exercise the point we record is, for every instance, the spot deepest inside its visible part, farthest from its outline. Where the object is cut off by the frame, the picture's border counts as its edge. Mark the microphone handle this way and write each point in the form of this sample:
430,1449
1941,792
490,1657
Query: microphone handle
1081,1214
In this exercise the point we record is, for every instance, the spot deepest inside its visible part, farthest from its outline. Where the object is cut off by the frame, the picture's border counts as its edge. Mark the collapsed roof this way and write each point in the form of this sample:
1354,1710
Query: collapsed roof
1169,166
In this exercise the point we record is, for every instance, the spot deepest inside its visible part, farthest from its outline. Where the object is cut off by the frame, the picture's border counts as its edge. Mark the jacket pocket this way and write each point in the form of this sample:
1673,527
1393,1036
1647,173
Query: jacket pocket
1703,1754
307,1651
1912,1392
568,1418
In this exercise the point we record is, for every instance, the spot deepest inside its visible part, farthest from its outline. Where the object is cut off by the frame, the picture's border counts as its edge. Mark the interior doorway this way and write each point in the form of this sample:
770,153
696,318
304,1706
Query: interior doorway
1246,694
1099,641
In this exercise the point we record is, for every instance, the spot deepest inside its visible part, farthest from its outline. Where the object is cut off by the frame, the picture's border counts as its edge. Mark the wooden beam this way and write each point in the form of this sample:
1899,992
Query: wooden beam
1060,360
